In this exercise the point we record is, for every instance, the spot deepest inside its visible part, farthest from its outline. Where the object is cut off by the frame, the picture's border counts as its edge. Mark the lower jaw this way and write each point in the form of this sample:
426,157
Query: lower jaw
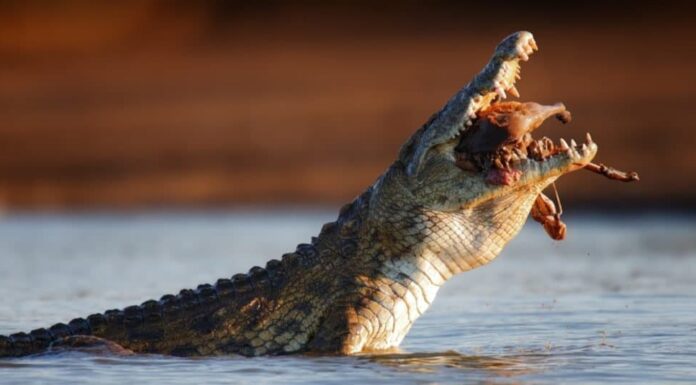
510,174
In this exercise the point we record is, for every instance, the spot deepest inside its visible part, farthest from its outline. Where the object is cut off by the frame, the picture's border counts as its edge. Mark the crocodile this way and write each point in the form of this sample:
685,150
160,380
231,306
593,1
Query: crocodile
461,187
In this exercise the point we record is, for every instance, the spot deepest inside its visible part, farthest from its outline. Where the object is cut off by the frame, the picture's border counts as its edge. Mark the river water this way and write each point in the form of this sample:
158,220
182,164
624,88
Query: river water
614,303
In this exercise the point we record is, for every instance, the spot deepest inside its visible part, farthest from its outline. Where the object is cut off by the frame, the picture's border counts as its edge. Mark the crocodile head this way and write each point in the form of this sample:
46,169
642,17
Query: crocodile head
479,149
466,181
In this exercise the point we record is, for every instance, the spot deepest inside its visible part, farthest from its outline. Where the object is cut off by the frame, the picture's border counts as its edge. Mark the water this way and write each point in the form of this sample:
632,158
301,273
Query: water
616,302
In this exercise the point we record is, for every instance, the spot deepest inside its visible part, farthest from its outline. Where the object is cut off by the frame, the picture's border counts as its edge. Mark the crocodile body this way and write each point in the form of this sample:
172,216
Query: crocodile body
360,284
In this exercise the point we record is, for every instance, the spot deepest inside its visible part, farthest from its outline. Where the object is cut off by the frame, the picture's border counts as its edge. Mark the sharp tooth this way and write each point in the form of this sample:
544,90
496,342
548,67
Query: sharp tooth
564,144
524,56
514,156
500,91
572,143
588,138
468,123
533,44
518,153
584,148
472,114
514,92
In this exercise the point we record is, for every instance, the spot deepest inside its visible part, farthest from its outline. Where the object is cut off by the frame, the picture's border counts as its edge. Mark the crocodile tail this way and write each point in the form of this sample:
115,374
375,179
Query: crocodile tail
40,340
143,323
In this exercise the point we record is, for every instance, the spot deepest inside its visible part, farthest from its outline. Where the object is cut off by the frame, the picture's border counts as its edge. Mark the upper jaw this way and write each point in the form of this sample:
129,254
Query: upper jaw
498,77
494,82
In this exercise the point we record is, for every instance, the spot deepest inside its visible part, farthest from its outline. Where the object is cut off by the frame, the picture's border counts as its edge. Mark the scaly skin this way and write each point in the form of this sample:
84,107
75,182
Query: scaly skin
365,279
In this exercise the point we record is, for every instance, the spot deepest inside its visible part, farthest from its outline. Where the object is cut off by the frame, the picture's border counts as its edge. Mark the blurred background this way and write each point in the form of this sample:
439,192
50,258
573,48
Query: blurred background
204,104
147,146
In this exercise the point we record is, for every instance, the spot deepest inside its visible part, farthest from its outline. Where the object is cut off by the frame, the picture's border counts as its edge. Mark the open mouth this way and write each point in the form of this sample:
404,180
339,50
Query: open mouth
500,142
505,156
498,138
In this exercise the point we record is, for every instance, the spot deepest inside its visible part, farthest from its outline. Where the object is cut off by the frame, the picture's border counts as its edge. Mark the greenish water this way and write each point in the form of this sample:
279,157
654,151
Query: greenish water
614,303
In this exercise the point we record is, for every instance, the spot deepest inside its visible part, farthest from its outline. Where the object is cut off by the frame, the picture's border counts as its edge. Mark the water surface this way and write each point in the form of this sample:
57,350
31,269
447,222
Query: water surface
615,303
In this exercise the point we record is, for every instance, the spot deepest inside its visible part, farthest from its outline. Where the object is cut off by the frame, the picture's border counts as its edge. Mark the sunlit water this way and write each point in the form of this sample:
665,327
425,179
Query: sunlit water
616,302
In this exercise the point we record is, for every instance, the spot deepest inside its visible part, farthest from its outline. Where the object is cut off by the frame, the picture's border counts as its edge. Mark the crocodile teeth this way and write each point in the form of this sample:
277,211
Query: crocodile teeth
524,56
513,90
572,143
564,144
584,148
533,44
588,138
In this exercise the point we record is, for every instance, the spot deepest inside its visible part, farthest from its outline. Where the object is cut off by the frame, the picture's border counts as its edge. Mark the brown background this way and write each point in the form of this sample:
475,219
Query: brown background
149,103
